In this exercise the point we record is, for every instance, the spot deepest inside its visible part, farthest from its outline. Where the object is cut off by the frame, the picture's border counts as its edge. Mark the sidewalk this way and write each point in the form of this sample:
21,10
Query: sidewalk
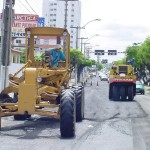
147,89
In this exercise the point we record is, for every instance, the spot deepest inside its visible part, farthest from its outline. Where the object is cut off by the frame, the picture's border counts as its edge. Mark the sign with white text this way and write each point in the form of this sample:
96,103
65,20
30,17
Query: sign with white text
21,22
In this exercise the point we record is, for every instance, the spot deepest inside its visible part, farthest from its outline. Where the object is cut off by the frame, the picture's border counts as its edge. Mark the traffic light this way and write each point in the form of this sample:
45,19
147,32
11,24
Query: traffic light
99,52
112,52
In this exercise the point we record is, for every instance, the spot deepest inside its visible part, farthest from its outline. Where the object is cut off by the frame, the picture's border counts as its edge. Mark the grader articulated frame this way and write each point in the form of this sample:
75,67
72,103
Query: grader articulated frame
40,86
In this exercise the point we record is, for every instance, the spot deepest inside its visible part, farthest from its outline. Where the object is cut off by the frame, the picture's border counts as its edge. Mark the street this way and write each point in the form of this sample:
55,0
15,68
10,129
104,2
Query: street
108,125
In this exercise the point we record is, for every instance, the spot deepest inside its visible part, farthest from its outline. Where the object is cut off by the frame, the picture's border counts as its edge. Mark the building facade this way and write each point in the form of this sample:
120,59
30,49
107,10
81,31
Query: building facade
54,13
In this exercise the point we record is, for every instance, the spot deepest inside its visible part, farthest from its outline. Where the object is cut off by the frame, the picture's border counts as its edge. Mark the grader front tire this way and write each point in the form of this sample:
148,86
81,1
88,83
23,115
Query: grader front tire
67,116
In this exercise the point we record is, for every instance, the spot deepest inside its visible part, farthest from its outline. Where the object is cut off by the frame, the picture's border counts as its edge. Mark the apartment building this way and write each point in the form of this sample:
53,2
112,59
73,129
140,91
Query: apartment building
54,13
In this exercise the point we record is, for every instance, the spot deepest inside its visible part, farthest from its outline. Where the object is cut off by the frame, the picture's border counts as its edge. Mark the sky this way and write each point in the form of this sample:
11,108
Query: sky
123,22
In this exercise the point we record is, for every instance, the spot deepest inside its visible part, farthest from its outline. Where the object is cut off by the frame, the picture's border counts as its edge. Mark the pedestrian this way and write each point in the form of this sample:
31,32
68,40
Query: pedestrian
55,55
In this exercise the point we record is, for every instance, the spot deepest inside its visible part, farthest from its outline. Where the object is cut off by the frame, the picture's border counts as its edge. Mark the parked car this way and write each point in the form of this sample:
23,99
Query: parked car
94,74
140,87
104,77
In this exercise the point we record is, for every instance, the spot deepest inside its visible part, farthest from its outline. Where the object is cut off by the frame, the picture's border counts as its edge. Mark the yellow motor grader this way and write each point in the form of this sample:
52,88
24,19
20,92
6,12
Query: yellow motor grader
38,88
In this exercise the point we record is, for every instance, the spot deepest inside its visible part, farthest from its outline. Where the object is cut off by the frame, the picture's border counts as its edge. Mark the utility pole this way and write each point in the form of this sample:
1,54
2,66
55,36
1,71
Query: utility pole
77,34
7,16
84,48
82,38
65,27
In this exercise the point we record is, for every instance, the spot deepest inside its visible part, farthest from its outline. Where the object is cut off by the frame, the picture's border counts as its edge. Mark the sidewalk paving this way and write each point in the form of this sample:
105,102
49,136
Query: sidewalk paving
147,89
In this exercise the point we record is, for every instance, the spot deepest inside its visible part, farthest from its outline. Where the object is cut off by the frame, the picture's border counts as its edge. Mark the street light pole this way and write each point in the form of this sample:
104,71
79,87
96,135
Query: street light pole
91,21
84,47
6,41
92,37
78,27
65,23
66,5
77,33
82,38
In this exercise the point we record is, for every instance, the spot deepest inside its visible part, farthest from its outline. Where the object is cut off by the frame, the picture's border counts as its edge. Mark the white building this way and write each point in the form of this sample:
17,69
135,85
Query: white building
54,14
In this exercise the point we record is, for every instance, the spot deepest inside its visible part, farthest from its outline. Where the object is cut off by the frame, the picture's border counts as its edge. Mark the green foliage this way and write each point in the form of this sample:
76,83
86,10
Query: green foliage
119,62
132,52
22,56
145,51
99,66
77,57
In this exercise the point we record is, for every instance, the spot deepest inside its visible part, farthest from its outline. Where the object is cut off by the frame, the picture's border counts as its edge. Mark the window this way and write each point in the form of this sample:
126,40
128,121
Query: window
72,15
71,36
55,3
71,31
72,4
72,10
54,19
72,20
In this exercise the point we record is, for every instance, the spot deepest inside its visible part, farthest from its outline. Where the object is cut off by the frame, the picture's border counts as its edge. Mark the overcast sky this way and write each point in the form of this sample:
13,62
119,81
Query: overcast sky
123,22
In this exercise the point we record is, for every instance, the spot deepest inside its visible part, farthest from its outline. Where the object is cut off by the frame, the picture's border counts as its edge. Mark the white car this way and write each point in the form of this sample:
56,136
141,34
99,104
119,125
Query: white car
104,77
94,74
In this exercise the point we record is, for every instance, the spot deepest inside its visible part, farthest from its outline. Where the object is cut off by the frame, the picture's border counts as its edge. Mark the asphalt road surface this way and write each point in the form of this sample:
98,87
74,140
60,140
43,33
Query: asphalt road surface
108,125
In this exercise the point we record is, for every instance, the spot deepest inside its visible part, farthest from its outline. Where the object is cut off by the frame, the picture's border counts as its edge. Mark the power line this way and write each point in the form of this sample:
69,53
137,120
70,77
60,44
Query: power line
25,6
20,6
30,6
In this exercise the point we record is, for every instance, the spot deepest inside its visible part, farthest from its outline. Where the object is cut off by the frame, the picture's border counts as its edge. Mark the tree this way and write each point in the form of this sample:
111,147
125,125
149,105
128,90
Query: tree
77,57
22,56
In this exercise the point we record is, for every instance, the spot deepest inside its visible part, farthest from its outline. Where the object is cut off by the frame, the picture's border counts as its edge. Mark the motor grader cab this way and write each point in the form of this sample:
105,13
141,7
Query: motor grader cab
38,88
122,83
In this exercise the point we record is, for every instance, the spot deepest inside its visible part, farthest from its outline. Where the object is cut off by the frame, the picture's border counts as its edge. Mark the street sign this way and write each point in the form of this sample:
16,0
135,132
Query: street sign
112,52
104,61
41,22
99,52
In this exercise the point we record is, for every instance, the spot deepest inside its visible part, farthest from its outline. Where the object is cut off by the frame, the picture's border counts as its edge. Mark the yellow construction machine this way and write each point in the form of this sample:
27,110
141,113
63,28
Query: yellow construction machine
122,82
38,88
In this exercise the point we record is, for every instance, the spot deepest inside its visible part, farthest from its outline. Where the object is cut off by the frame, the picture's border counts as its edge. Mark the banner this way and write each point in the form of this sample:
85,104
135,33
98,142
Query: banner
21,22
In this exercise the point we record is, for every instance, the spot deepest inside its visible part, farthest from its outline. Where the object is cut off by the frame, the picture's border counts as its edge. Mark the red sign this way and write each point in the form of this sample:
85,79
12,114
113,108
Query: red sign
26,18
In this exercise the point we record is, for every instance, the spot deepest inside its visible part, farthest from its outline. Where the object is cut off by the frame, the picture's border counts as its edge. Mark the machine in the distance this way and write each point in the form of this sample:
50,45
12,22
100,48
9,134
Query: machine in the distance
122,82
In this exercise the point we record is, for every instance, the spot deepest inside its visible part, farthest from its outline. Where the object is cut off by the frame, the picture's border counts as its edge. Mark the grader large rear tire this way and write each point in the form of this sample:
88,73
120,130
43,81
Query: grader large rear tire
80,104
67,116
79,99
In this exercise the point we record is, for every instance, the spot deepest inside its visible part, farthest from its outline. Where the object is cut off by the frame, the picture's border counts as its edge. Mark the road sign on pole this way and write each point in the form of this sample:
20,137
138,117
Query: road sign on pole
41,22
104,61
99,52
112,52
